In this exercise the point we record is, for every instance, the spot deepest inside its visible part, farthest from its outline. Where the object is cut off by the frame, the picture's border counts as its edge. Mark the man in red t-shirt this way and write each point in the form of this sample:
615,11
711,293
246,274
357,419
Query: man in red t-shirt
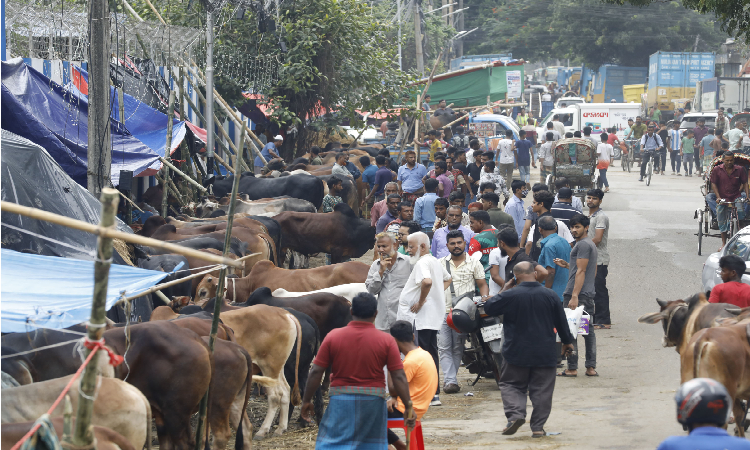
356,355
733,290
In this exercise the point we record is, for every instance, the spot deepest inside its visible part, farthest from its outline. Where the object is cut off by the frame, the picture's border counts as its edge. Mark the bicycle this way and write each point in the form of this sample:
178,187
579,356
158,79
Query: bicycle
649,166
734,217
629,158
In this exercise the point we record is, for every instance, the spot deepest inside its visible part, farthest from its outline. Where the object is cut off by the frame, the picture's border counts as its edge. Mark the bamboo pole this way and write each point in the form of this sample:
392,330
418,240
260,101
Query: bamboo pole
224,163
130,201
219,294
38,214
182,174
230,112
200,116
167,148
83,434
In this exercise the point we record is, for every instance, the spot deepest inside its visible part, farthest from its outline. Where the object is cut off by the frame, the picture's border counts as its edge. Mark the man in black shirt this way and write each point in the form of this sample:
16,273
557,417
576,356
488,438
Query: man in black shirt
563,209
531,314
475,168
507,240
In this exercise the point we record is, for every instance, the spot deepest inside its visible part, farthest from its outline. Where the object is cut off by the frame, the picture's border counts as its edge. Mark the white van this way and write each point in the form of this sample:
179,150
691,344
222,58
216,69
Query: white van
598,116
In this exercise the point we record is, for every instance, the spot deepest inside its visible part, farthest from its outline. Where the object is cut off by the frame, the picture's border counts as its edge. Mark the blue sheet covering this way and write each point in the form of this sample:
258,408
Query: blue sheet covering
52,292
56,118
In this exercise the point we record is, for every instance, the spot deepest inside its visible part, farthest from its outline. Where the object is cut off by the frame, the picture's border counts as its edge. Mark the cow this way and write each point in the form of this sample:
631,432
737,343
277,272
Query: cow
200,324
266,274
117,406
19,368
683,318
348,291
167,263
268,334
261,207
304,187
105,438
340,233
329,311
202,242
723,354
158,356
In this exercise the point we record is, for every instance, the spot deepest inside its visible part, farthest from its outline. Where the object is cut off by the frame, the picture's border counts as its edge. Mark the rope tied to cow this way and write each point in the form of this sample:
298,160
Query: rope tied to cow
94,346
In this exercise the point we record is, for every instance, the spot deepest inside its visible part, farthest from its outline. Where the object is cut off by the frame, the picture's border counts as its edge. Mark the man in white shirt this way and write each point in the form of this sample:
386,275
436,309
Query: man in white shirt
506,156
559,126
422,301
386,279
546,158
339,167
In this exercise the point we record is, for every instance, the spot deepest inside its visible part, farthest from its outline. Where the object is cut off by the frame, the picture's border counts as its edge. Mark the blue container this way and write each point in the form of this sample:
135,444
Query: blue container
679,69
546,108
610,79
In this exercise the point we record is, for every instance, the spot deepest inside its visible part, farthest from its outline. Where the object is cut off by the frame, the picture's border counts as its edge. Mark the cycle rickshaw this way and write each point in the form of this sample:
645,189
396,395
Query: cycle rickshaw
575,159
706,221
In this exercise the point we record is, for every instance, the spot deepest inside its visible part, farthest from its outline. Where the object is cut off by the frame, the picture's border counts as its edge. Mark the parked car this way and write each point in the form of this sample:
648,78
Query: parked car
738,245
690,121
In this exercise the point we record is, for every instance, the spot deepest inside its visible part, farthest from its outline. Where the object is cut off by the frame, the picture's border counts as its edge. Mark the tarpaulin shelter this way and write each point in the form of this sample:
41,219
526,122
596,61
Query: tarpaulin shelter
31,177
51,292
472,86
56,118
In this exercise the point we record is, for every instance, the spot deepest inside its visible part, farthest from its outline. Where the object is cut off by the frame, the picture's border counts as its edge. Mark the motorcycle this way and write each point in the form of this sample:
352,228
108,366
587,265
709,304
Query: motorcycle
485,333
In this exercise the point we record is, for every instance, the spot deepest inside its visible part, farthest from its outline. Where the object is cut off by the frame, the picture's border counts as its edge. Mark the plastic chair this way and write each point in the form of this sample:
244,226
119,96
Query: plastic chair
417,442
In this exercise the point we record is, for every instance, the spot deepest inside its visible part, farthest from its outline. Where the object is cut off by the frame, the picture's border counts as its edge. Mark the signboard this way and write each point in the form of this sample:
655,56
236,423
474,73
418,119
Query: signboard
483,129
514,83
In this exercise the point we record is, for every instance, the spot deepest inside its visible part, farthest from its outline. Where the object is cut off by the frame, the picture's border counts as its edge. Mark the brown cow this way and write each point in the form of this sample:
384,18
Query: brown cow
340,233
683,318
106,439
723,354
266,274
201,326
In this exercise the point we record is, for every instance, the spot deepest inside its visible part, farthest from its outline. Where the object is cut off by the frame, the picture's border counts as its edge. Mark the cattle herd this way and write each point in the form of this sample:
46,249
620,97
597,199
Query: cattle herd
273,319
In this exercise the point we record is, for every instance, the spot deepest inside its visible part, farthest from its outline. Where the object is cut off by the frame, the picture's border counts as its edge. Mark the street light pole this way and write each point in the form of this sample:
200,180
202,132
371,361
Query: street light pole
398,13
210,92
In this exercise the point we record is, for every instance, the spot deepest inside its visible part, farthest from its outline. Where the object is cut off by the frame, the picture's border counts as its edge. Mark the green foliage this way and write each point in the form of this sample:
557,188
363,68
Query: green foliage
587,31
733,15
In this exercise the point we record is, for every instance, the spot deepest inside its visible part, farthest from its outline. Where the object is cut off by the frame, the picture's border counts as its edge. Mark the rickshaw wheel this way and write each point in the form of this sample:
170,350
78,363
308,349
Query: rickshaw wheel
700,232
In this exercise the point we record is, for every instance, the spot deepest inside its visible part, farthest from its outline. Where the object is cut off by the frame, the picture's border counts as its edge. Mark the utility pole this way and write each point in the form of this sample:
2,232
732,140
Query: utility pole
695,46
210,93
460,43
99,153
418,38
398,14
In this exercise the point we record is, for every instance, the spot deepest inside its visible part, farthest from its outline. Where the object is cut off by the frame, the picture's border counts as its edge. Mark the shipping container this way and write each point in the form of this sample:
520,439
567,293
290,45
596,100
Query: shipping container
673,75
712,93
633,92
609,81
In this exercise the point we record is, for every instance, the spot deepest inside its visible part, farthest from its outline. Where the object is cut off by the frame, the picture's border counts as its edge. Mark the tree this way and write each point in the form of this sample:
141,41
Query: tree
733,15
603,34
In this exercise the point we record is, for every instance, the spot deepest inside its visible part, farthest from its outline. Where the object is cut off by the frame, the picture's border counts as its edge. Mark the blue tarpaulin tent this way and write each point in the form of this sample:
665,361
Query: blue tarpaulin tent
51,292
56,118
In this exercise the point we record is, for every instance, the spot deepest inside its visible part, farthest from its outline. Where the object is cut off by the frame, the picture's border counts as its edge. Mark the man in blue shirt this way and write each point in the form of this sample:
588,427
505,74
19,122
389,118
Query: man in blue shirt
391,214
382,176
368,175
269,152
439,238
515,208
703,407
424,207
554,246
410,177
525,158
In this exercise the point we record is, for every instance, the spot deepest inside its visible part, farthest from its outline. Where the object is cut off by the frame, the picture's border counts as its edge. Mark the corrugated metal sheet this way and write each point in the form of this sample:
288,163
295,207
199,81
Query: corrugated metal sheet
679,69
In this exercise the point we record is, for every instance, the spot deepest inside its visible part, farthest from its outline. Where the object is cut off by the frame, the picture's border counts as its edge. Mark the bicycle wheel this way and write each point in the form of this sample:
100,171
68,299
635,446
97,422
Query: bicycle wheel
631,158
700,232
735,225
649,171
624,162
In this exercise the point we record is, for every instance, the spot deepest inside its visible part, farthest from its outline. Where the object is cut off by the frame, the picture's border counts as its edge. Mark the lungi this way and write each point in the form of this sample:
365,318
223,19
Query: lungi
354,420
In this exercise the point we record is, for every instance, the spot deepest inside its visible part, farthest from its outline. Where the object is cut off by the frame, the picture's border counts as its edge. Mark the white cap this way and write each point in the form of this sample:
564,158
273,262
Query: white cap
278,138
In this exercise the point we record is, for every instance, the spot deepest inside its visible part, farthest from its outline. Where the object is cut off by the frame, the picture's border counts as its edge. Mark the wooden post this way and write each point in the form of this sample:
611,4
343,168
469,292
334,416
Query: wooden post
83,435
418,41
167,148
121,102
99,153
220,293
420,97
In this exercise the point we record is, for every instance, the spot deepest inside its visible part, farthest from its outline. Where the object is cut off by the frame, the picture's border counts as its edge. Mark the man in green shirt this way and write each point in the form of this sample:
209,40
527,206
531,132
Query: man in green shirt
656,115
498,217
687,152
637,131
485,239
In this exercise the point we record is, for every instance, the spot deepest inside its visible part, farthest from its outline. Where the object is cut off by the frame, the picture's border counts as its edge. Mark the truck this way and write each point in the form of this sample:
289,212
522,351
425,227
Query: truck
609,81
599,116
674,75
712,93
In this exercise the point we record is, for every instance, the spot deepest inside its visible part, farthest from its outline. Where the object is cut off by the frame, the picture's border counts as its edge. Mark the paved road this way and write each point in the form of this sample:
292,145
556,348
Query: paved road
654,254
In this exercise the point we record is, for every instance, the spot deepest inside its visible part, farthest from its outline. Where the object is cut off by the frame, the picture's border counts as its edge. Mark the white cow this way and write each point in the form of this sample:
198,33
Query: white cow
118,406
348,291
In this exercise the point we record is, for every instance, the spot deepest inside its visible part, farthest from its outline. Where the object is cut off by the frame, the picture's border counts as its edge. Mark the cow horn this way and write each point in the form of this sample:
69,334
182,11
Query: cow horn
662,303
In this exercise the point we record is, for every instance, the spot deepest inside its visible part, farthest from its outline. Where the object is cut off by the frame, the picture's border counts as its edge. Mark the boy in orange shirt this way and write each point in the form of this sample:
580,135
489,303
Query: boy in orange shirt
421,374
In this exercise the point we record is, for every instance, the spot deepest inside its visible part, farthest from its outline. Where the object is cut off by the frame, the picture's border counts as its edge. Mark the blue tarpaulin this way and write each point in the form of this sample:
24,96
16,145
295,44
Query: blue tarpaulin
56,118
51,292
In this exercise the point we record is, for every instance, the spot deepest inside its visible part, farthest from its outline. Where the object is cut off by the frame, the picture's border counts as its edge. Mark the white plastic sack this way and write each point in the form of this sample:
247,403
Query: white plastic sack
574,320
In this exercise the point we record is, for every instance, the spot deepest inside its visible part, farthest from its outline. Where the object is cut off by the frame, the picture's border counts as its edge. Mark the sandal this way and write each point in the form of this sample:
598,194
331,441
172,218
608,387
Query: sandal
536,435
513,426
565,373
595,374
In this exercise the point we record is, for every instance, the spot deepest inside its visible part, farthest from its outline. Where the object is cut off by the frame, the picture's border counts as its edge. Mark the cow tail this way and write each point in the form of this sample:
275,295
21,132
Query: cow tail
239,439
698,353
296,397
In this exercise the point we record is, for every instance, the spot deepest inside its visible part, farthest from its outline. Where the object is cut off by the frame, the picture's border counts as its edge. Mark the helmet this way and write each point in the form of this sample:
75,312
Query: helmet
449,322
464,316
703,400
